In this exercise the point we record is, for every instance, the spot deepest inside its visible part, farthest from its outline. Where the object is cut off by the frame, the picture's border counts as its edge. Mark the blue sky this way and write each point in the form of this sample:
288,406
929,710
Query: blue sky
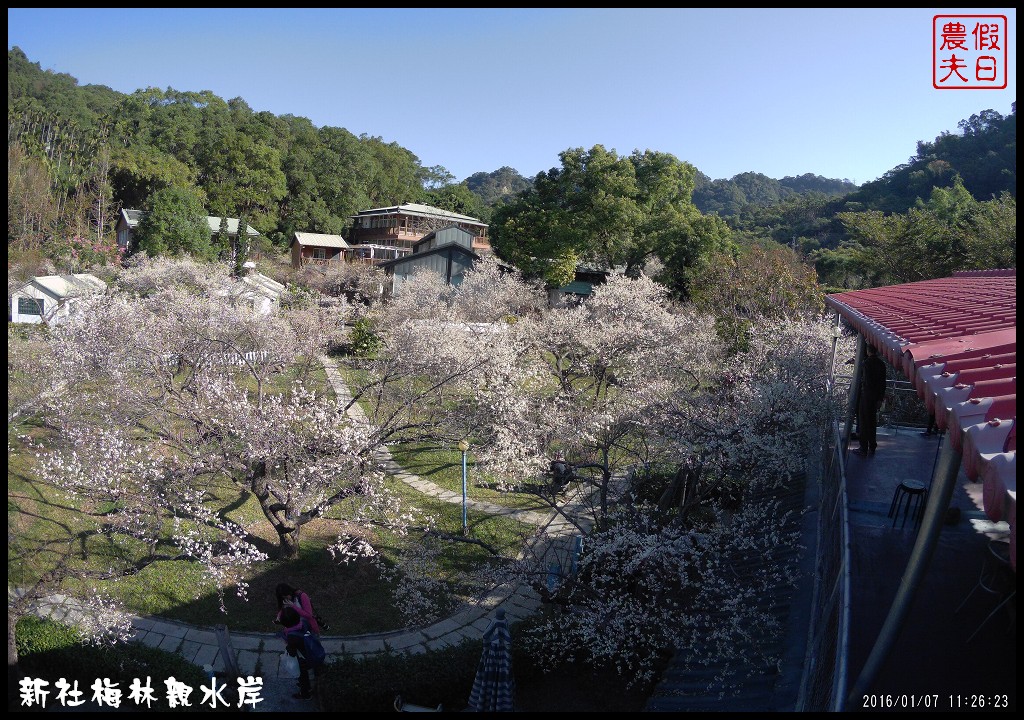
842,93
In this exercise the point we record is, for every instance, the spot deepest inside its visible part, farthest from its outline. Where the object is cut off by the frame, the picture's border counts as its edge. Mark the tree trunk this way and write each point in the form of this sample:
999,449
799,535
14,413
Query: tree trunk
674,490
606,480
279,514
13,672
690,497
289,541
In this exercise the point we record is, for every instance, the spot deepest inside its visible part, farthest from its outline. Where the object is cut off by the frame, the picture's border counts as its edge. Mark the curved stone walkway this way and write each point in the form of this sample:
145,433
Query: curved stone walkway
261,654
550,520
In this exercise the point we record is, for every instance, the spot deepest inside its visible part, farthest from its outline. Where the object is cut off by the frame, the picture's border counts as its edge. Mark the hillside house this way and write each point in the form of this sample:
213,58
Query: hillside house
447,252
317,249
128,221
444,236
380,232
50,299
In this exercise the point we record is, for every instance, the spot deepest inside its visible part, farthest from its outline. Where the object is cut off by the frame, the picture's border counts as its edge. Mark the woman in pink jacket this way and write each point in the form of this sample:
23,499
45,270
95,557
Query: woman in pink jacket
287,596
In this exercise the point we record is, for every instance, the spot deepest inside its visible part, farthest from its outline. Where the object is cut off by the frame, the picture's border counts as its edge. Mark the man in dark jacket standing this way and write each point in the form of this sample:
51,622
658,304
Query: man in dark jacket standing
872,392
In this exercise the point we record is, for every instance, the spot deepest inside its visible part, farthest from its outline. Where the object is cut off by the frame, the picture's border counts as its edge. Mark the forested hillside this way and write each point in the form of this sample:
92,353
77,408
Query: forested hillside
77,154
951,207
750,190
284,173
57,94
497,186
983,155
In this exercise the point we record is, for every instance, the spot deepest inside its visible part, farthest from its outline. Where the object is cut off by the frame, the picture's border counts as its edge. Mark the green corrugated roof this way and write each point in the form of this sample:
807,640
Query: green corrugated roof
578,288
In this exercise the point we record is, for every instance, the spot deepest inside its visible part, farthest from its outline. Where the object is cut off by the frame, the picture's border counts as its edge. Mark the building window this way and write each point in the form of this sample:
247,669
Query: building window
319,253
30,306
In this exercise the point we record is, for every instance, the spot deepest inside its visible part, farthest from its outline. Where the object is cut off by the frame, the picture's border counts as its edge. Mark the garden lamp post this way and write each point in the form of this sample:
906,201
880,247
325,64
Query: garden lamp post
464,447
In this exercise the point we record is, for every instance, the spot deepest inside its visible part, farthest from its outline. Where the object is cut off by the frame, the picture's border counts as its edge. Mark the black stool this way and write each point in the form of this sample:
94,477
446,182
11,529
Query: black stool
910,491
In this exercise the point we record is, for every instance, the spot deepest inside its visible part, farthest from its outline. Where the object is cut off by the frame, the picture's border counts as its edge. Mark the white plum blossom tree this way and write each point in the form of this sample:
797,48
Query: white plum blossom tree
168,392
683,564
186,378
677,442
201,386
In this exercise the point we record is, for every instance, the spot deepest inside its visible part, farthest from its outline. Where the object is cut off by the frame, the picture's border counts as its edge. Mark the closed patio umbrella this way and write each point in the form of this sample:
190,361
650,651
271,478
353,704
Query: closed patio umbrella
494,687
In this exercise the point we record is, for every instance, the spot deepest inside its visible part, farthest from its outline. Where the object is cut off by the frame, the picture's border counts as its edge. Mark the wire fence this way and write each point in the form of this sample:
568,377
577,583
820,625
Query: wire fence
221,358
826,670
826,673
903,406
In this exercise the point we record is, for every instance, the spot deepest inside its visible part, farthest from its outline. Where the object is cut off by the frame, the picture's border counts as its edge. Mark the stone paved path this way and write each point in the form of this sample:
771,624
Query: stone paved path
261,654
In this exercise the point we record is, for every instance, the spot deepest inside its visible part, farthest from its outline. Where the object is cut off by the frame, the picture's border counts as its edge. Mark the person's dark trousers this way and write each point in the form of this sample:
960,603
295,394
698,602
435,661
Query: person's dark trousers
304,685
296,646
867,423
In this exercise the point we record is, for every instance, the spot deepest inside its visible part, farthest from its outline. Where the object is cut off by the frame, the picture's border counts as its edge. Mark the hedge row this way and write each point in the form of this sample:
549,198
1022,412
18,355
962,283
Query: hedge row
435,677
51,651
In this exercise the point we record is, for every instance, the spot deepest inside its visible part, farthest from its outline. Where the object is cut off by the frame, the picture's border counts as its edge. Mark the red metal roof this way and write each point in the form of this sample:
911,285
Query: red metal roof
956,340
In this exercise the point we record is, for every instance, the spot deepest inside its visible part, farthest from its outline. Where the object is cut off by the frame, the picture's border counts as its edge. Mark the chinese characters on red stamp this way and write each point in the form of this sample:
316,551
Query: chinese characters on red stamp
969,52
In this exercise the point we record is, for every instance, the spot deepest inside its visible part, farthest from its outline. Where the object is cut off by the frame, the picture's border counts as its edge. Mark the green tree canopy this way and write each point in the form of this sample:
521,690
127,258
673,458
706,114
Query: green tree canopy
759,280
57,94
950,232
498,186
458,198
137,172
983,156
609,211
241,255
395,174
222,240
174,223
243,173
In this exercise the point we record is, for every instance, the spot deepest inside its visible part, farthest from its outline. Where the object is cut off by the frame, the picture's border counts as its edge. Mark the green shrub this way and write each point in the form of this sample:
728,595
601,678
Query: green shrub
652,480
51,651
27,331
734,332
436,677
363,339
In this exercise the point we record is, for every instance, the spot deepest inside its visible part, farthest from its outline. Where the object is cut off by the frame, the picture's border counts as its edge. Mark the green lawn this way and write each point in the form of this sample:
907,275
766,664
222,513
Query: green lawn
443,467
353,597
45,528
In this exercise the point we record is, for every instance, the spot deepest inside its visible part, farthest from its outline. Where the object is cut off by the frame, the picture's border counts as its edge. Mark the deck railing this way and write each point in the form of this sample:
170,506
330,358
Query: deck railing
218,358
321,261
825,679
